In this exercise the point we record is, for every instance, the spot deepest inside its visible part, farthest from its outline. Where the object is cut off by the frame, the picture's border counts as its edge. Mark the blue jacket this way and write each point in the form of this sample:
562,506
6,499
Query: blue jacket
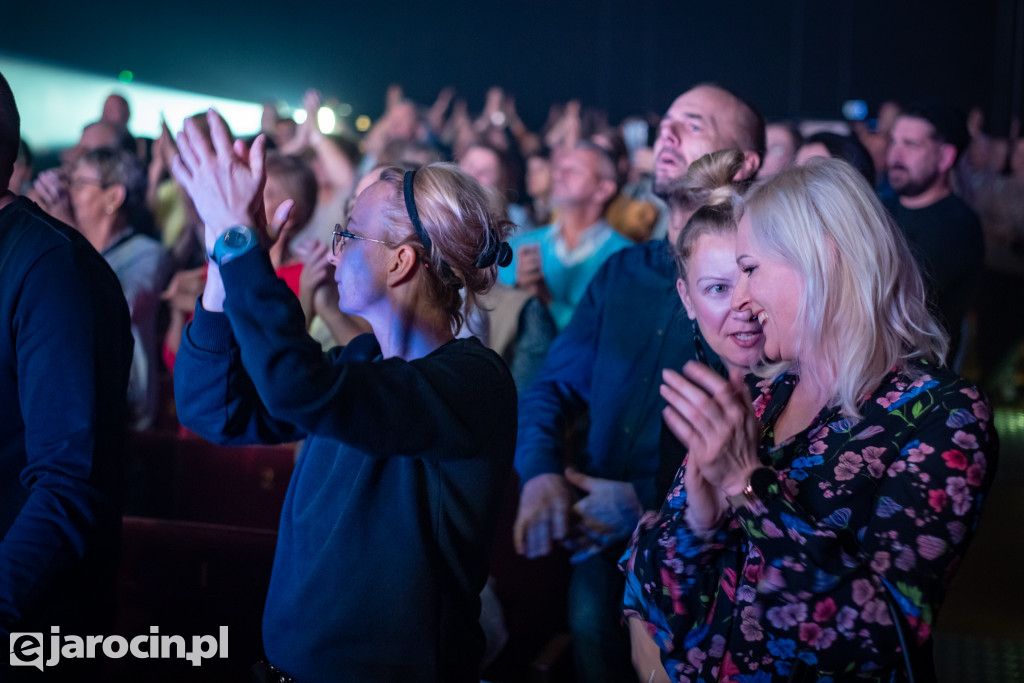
629,325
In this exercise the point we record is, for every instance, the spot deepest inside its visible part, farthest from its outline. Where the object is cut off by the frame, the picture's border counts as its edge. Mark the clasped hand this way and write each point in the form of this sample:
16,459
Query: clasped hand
607,513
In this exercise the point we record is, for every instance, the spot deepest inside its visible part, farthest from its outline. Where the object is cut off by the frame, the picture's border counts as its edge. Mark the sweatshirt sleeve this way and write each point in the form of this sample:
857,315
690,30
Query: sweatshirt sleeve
214,394
561,391
281,383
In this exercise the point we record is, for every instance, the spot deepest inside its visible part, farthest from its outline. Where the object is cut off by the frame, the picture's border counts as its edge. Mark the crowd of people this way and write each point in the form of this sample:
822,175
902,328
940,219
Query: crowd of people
720,357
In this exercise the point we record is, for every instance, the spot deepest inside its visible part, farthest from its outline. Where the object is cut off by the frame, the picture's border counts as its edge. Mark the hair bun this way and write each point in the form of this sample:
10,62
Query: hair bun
723,194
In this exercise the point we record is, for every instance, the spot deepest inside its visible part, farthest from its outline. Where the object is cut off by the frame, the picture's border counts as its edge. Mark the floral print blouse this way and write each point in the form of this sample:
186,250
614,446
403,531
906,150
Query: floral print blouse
892,498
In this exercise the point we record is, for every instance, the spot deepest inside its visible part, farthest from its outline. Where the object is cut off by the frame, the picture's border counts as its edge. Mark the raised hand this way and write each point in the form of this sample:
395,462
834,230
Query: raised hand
316,272
225,181
436,115
529,275
54,196
393,97
312,100
184,288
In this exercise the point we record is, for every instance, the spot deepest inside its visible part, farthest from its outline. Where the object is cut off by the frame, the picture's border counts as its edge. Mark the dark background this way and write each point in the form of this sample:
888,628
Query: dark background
790,58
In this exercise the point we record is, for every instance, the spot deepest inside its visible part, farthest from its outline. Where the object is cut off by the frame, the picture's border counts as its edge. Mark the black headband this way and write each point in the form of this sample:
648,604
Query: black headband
499,253
414,216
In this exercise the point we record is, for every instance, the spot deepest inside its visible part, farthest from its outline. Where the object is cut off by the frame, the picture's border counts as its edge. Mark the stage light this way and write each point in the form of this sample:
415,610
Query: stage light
325,120
57,102
855,110
363,123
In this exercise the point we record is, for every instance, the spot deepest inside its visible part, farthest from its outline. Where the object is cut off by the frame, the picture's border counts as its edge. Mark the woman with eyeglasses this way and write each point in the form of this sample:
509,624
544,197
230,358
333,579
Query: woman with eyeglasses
389,516
821,523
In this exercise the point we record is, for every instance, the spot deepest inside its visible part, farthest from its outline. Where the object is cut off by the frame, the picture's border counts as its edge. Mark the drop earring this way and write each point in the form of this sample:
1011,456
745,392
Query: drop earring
698,347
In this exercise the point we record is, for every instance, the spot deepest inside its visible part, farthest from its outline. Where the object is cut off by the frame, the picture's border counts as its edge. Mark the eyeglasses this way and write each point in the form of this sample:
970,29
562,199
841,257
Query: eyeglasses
78,181
340,237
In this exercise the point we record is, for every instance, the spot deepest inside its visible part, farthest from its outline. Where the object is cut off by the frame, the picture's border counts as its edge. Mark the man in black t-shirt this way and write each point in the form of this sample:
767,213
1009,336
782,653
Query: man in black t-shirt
943,231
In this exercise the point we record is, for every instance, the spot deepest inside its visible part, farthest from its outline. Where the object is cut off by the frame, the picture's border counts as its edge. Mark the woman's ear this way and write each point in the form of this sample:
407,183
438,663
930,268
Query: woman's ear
684,295
402,264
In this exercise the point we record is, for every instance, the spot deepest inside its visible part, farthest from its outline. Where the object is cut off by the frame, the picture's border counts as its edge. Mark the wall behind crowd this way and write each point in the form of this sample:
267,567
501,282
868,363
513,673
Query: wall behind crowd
793,58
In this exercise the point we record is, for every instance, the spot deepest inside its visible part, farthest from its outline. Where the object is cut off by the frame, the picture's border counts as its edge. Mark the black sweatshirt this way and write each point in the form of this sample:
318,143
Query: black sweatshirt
389,518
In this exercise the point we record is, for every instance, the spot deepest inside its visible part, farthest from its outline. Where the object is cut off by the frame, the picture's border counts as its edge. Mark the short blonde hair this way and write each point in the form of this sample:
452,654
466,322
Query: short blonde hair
863,308
463,221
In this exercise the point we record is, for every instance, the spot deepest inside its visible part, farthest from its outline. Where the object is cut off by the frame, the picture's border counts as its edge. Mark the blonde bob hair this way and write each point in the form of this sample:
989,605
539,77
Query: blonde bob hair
863,309
463,220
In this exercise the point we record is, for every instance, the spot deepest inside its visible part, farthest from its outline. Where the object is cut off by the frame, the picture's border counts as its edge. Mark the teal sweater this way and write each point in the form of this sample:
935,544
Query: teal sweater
567,274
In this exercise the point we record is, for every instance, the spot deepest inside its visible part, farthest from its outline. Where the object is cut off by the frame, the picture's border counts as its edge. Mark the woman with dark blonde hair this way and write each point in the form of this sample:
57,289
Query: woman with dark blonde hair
389,517
828,517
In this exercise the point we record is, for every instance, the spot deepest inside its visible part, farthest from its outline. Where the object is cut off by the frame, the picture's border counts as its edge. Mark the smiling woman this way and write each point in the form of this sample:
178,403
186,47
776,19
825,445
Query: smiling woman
845,496
390,514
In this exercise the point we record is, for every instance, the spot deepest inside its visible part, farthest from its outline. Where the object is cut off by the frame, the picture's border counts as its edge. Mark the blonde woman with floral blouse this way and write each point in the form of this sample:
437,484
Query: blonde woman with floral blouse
856,477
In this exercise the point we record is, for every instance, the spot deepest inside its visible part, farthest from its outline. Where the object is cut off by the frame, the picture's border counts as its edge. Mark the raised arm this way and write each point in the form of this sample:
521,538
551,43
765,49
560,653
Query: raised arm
333,396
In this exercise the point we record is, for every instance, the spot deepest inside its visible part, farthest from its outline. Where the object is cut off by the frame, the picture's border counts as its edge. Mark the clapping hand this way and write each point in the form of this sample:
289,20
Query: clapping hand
529,273
714,419
225,181
317,272
53,194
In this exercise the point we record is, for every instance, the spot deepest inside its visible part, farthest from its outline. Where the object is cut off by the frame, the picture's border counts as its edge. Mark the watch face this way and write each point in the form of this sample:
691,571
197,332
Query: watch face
235,239
234,242
761,480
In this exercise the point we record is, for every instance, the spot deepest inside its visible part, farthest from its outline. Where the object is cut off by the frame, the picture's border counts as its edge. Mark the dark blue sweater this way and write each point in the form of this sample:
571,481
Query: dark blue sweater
65,350
390,514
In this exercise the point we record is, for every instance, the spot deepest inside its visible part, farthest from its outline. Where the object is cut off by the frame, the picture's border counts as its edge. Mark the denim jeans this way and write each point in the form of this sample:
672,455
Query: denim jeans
600,637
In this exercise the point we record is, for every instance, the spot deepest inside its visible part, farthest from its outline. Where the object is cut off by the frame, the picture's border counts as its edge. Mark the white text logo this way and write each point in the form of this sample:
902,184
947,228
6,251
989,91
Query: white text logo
27,648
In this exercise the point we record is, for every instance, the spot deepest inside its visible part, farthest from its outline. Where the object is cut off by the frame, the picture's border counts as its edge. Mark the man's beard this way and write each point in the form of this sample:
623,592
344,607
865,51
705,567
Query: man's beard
664,188
912,187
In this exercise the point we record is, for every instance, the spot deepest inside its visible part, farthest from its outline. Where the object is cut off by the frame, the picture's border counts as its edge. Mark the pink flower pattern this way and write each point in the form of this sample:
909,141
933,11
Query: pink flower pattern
893,497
